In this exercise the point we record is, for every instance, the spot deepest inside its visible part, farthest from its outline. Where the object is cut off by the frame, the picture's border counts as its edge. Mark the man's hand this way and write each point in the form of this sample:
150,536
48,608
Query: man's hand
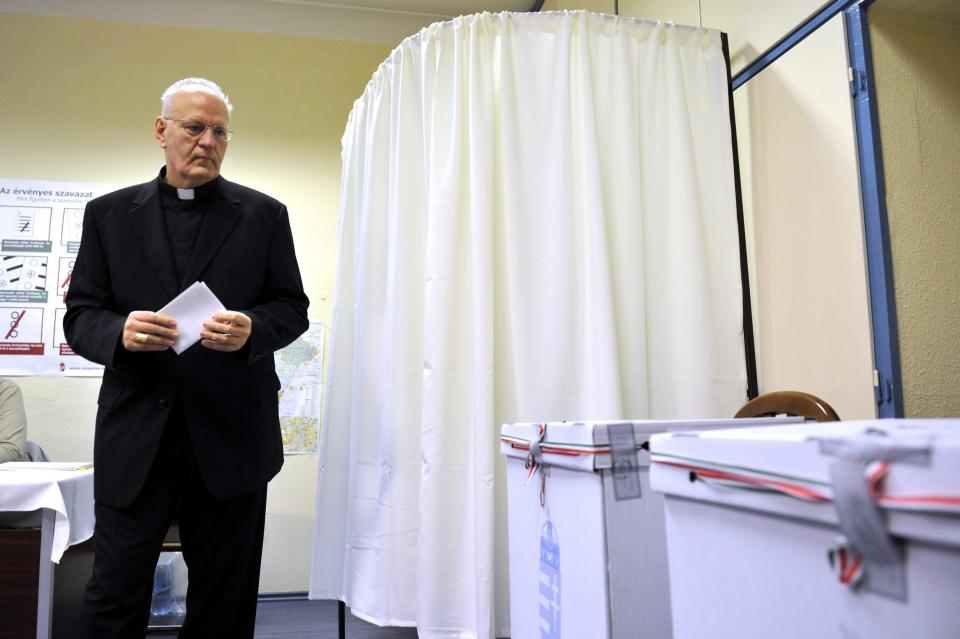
148,331
226,331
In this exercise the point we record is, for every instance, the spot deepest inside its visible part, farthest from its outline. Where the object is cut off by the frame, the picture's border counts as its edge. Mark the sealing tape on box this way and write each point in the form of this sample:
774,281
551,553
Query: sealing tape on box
860,517
862,523
623,451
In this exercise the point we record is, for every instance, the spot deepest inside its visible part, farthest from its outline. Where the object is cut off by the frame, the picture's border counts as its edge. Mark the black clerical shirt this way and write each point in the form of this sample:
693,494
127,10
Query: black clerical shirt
183,217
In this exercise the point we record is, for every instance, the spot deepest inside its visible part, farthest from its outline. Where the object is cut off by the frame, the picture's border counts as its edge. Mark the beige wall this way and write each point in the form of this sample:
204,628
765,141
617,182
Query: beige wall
600,6
79,98
811,299
918,99
680,11
753,26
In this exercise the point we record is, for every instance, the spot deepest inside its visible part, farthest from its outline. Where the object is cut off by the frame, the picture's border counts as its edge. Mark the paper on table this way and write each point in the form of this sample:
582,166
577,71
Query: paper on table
191,309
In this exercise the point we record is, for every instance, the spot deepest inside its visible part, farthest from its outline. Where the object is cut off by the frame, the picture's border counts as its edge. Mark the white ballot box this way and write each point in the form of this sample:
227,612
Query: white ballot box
846,530
586,533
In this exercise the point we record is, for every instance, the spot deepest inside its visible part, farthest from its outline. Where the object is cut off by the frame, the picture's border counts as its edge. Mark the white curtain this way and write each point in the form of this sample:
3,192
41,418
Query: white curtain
537,222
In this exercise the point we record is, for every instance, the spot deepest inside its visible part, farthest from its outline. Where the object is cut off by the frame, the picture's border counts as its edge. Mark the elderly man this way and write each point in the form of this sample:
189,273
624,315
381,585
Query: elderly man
194,436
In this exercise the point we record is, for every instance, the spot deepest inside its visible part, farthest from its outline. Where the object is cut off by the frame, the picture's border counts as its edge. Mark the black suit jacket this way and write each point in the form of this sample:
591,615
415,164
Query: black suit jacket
245,255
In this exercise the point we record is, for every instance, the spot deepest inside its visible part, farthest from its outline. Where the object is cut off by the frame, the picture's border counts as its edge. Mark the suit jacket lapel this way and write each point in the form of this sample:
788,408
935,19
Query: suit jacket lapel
221,217
147,219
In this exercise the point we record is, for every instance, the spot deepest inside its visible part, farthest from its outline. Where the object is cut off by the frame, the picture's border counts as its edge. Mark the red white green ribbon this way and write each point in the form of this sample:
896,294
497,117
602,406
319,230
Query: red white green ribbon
808,489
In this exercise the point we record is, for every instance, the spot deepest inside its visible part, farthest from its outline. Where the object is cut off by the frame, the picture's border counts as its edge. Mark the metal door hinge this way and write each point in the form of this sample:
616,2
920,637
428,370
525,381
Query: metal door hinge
857,78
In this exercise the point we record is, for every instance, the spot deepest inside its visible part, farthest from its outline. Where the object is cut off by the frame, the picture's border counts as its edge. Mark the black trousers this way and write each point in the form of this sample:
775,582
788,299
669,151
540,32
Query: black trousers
222,542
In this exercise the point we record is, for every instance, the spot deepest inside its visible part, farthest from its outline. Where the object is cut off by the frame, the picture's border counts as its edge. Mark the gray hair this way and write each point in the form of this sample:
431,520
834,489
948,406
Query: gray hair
190,85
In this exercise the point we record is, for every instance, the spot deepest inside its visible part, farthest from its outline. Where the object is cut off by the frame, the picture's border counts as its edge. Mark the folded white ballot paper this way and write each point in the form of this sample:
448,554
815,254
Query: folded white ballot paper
191,309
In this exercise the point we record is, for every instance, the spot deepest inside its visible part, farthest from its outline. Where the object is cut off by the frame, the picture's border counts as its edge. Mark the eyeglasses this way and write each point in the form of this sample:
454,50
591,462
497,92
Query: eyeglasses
195,129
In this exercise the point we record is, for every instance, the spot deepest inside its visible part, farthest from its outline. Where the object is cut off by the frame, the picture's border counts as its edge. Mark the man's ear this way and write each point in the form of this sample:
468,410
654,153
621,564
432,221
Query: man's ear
159,129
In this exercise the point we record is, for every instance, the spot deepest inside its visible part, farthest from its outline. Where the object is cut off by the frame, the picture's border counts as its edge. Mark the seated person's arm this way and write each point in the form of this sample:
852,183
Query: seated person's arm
13,422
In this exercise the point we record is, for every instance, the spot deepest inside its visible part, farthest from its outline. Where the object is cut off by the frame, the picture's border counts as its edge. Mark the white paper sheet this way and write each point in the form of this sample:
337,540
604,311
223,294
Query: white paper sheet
191,309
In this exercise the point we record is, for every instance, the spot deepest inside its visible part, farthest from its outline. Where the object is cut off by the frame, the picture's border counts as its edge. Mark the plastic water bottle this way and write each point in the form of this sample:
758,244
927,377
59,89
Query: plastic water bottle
162,603
179,585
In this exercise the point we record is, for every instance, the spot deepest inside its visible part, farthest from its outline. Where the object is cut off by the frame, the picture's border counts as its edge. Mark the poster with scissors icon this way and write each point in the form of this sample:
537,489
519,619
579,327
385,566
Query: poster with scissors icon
41,223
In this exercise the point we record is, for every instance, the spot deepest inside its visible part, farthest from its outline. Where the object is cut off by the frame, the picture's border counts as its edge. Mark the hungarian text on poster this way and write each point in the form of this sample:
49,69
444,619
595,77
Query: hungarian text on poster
40,226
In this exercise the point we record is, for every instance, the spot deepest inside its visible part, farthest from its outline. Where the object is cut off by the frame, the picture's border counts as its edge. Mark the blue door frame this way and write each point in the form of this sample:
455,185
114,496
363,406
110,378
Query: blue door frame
888,390
886,343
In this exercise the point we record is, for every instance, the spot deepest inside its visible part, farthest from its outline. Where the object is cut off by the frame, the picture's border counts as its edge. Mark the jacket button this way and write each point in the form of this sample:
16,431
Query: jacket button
163,403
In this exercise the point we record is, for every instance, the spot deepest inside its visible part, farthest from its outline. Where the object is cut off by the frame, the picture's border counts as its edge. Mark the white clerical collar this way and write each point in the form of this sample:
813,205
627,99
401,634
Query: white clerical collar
185,194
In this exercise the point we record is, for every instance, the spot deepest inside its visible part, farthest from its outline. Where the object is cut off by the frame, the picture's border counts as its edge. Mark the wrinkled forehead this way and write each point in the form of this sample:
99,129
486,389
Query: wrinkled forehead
199,104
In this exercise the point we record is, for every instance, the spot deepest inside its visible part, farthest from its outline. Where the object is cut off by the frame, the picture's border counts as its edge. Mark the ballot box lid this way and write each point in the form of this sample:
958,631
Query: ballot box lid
586,445
912,468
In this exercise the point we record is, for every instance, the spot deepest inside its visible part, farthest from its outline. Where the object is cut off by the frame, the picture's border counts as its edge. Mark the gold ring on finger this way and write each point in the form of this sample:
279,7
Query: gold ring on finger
141,338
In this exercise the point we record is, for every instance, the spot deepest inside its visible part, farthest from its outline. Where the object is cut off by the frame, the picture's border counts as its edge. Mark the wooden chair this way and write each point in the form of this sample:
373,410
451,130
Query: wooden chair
789,403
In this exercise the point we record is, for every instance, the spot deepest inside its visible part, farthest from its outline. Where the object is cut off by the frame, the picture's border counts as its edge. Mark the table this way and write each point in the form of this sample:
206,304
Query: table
64,492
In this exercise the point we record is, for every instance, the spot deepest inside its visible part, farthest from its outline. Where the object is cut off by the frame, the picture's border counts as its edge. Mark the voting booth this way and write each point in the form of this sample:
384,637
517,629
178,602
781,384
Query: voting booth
847,529
587,543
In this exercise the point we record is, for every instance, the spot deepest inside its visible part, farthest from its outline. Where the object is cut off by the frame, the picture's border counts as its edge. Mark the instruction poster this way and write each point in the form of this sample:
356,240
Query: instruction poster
40,226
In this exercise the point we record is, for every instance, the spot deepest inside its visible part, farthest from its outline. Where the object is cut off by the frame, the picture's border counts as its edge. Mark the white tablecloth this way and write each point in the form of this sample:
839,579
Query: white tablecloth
67,489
